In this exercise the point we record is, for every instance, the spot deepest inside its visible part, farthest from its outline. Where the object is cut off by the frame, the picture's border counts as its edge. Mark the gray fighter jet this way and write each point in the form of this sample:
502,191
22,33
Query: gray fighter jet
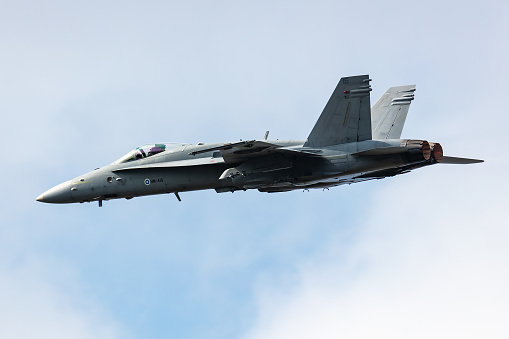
350,142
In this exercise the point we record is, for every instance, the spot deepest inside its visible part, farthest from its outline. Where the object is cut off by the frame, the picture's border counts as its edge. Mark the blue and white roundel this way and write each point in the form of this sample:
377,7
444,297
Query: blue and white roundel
147,182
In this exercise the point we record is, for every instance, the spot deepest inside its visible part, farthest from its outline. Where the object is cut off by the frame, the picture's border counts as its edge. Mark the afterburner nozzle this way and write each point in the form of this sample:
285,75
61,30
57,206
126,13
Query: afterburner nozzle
437,151
418,150
426,150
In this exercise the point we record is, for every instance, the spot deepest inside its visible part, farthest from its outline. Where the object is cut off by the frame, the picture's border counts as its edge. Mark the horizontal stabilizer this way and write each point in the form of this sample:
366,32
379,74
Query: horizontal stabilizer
459,161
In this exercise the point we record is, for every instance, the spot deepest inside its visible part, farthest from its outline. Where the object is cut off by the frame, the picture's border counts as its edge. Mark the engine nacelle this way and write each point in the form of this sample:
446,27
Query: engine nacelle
418,150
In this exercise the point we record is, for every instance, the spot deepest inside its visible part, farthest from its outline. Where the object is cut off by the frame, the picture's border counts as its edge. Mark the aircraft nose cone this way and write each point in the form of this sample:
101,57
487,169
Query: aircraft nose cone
60,194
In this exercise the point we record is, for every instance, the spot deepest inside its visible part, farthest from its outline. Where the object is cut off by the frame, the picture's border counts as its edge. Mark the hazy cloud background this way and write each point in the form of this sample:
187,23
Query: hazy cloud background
419,255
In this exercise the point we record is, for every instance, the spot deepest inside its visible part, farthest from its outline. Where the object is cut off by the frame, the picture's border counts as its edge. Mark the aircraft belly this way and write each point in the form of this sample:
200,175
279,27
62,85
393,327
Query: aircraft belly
302,173
359,165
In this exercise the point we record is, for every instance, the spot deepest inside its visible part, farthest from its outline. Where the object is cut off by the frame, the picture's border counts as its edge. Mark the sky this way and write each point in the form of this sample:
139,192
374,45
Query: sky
420,255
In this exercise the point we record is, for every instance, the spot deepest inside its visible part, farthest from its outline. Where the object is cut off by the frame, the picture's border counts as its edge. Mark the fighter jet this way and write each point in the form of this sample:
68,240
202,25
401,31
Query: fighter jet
349,143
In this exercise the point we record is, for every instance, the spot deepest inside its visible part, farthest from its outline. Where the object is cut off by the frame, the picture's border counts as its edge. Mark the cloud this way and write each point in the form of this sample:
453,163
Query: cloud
82,87
426,262
41,298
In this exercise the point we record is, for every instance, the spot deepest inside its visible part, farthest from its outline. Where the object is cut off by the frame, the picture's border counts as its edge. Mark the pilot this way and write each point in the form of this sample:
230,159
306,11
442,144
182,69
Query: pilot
139,154
154,150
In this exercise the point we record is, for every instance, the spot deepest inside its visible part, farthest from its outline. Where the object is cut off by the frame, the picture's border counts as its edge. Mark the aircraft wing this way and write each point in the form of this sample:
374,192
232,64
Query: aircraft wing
389,113
243,150
231,153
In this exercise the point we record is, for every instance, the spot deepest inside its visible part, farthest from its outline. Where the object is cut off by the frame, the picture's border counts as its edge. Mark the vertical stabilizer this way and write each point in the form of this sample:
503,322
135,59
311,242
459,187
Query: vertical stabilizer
390,111
347,115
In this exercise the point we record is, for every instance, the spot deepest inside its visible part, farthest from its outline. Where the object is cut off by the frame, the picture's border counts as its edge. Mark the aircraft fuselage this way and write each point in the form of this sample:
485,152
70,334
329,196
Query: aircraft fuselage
331,166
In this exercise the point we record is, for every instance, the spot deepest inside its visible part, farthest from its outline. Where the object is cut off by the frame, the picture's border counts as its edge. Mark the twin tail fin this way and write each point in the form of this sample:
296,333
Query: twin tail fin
347,115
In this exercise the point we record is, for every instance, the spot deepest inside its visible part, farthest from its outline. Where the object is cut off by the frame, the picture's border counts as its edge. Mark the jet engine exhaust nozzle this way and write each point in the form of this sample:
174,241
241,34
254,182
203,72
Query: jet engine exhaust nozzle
418,150
438,152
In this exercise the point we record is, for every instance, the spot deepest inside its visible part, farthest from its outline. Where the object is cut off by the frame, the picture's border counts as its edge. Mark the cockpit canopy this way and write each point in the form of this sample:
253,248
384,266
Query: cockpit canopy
147,151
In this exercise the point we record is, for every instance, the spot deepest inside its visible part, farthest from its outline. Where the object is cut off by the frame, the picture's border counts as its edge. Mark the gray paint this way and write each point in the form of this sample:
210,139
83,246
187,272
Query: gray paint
389,113
346,117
